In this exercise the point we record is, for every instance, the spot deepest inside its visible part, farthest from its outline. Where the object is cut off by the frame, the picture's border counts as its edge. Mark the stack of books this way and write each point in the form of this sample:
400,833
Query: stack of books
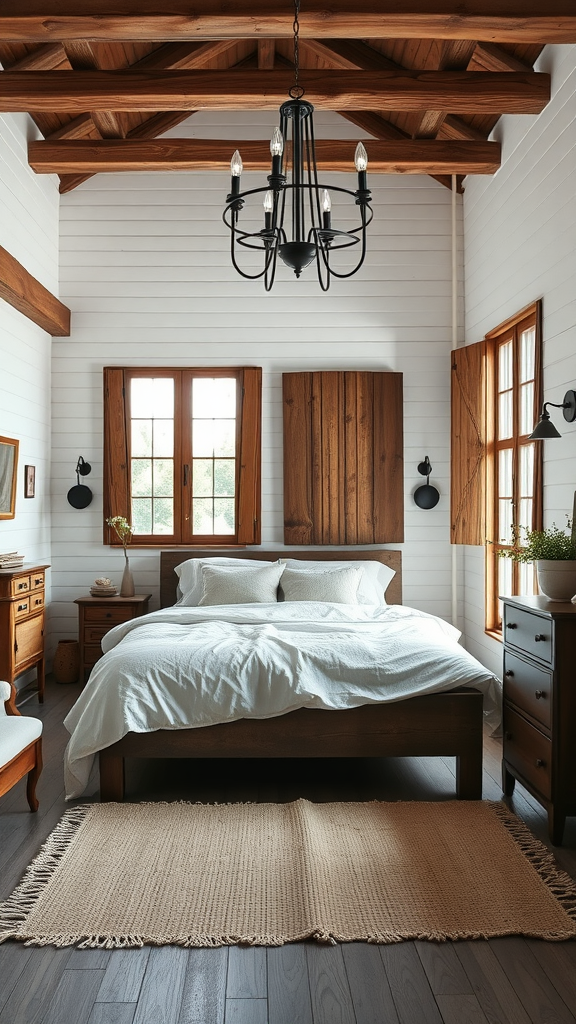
11,560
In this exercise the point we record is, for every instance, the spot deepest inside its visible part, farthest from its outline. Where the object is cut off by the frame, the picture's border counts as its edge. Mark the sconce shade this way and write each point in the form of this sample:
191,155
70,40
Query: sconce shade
426,496
545,428
80,496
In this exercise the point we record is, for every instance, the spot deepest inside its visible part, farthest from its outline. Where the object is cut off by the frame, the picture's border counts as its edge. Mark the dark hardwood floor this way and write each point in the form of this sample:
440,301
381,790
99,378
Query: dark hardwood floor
501,981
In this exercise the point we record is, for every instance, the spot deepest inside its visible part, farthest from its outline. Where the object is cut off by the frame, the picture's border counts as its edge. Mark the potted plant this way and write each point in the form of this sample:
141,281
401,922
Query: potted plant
554,553
123,531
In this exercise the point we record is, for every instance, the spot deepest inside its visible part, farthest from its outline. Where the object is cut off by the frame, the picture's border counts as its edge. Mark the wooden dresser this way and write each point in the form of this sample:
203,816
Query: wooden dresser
22,622
97,615
539,746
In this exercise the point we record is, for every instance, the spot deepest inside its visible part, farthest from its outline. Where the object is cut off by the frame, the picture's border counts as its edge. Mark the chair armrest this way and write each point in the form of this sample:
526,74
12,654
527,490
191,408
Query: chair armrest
8,698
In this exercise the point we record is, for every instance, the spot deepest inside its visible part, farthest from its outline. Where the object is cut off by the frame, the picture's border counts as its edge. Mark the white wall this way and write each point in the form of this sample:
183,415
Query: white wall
520,245
29,231
145,268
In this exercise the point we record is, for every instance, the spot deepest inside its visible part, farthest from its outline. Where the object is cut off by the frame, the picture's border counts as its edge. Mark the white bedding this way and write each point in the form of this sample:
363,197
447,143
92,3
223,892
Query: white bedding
181,668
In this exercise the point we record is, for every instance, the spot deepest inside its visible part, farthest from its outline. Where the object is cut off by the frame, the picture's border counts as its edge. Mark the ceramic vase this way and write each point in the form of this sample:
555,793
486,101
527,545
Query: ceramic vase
66,666
556,579
127,586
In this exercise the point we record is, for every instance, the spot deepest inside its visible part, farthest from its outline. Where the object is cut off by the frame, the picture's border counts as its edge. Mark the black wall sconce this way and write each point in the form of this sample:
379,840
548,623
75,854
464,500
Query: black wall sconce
426,496
545,428
80,496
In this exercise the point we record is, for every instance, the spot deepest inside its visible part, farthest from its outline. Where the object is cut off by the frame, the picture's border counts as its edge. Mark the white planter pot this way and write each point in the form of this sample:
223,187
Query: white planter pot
556,579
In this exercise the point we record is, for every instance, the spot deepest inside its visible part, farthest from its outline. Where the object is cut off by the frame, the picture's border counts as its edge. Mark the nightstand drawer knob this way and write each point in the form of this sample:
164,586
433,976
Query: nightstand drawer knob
539,694
511,625
540,637
509,674
540,763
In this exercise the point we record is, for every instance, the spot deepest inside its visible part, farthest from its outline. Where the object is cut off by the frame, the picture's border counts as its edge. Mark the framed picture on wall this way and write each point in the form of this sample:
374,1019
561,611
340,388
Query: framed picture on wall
29,481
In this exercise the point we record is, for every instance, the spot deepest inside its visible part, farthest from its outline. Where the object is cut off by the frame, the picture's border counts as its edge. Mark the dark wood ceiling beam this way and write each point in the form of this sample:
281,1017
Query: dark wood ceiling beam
455,128
390,157
266,54
79,128
493,58
28,296
456,92
108,123
455,55
348,55
43,58
490,20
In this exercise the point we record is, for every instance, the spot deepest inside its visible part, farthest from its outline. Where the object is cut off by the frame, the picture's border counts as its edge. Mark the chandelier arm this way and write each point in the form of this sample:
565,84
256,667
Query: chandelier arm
362,254
322,260
248,277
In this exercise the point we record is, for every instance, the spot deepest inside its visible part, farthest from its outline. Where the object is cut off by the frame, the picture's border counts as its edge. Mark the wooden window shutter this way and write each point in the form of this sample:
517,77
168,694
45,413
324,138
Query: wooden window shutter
116,480
249,501
343,458
469,443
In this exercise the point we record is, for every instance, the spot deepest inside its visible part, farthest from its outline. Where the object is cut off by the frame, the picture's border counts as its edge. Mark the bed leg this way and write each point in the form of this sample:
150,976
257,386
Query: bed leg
111,777
469,776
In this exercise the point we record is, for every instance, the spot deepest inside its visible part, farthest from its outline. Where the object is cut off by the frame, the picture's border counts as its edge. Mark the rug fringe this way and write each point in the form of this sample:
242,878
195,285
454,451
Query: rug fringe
15,910
562,886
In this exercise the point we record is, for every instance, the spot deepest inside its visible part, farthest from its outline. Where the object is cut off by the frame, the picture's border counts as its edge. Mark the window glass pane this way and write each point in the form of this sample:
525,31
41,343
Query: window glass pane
214,397
142,515
525,517
213,438
163,515
526,581
202,478
527,352
163,478
527,408
152,396
505,366
163,439
141,439
224,476
527,470
203,515
505,473
223,515
141,477
505,415
505,520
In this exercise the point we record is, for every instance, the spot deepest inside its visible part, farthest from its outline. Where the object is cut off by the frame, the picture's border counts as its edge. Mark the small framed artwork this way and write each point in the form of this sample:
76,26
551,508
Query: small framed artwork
29,481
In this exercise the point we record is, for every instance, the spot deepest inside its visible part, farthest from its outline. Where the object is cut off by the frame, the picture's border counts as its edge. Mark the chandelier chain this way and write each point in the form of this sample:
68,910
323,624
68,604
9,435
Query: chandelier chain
296,92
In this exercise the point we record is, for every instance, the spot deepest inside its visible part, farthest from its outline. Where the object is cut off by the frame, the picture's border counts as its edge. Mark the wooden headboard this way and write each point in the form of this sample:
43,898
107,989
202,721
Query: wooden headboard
170,559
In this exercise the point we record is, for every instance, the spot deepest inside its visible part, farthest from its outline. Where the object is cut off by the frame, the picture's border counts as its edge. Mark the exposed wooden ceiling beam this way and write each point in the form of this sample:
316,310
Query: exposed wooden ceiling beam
456,92
26,294
43,58
493,58
266,54
490,20
427,156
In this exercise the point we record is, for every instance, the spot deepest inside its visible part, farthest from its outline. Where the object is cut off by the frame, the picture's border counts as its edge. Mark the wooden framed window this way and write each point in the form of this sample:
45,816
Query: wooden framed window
182,454
516,462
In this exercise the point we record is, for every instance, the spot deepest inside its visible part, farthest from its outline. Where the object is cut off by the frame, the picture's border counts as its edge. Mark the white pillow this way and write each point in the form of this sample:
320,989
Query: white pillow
189,575
373,583
231,585
337,585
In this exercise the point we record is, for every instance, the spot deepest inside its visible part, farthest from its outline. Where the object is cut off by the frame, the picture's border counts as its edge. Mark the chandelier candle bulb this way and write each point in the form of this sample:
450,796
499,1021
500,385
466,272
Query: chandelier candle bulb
277,149
361,162
268,205
236,171
326,208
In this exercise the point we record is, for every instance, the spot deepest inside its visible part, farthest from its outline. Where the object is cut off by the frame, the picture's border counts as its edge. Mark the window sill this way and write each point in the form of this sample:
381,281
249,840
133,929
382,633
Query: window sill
496,634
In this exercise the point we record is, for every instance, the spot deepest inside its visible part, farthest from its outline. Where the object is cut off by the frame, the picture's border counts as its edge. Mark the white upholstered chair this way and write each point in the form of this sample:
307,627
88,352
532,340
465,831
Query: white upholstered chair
20,745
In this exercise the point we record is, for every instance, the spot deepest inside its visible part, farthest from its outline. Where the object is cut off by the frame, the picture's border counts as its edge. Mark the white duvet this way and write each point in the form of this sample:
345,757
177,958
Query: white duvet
181,668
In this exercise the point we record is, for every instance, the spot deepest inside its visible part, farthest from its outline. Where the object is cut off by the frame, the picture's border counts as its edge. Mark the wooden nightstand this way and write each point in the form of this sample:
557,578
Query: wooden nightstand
22,622
540,704
97,615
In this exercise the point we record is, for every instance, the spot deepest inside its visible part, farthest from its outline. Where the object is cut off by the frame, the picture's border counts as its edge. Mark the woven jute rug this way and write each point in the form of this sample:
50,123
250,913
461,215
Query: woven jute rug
118,875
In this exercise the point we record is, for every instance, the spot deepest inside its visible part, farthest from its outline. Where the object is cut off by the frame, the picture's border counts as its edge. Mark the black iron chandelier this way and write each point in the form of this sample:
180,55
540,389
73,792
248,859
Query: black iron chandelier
310,201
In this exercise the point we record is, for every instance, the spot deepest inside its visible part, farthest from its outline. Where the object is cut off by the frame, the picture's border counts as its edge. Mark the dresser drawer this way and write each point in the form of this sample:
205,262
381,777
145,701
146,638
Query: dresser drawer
94,634
20,585
530,633
528,751
37,581
529,687
28,639
108,616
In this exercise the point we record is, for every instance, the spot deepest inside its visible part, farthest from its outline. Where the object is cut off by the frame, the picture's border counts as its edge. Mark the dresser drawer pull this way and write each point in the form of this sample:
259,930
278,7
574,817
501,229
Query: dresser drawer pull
539,694
540,637
22,586
540,763
22,607
38,600
511,625
509,674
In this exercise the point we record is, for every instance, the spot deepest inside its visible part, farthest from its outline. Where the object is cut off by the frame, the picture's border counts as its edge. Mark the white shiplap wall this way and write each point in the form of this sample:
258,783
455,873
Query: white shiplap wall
520,245
29,231
145,268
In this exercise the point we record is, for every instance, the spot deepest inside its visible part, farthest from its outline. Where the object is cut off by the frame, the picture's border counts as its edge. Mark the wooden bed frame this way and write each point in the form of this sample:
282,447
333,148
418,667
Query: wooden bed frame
445,724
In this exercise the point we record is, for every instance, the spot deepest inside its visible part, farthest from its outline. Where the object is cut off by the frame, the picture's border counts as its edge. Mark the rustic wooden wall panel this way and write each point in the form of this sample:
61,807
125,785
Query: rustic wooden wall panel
343,458
468,445
116,482
249,482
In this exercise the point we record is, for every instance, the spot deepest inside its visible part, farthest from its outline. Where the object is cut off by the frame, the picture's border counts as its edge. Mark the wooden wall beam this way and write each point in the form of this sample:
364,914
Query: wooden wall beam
402,156
492,20
456,92
31,298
